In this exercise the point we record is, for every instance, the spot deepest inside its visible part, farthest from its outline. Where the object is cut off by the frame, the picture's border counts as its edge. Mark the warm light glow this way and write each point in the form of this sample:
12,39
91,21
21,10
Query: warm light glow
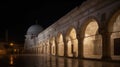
11,44
116,25
60,45
72,43
15,50
53,49
11,60
2,52
72,33
92,42
89,44
91,29
115,37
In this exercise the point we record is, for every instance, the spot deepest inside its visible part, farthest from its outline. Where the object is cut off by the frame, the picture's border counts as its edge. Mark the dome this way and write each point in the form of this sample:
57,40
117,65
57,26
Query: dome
34,30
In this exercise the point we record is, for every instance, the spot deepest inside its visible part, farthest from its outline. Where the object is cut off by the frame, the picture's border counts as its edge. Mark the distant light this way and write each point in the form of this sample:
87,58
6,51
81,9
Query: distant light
11,60
15,50
11,44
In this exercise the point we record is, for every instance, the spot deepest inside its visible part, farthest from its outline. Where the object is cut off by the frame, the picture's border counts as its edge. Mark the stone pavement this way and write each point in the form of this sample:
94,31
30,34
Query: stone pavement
52,61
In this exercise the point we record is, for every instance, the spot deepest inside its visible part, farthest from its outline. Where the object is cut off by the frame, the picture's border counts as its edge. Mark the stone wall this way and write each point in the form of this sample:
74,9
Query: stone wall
79,38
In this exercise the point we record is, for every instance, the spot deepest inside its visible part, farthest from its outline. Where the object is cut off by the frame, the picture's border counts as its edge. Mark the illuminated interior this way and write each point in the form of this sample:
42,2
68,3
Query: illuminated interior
53,46
92,43
60,45
72,43
38,50
41,47
11,60
115,37
47,47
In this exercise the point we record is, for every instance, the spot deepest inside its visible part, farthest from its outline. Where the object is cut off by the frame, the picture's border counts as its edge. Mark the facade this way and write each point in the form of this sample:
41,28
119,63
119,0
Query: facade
32,37
91,30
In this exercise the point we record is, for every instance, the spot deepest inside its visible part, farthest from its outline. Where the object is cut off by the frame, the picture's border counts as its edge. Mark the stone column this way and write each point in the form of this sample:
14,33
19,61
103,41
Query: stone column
80,47
65,47
50,49
106,51
56,48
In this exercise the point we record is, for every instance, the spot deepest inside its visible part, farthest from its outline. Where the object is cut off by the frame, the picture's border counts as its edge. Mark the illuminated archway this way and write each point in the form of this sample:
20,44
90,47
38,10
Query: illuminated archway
53,46
48,47
72,43
40,48
60,45
44,48
114,30
92,42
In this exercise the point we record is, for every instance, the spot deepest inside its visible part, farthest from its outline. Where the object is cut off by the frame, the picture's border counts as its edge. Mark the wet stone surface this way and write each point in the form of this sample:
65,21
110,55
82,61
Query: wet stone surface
51,61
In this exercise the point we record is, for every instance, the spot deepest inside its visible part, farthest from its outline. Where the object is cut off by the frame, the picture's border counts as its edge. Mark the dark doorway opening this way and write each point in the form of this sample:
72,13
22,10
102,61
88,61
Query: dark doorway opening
117,46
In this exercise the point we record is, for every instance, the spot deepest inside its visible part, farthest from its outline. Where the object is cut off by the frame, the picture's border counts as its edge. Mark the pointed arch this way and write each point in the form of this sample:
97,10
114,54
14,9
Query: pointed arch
92,40
45,48
53,46
60,44
72,42
114,31
48,47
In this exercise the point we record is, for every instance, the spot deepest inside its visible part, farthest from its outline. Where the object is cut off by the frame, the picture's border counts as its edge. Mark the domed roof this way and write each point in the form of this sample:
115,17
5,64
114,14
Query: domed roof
34,30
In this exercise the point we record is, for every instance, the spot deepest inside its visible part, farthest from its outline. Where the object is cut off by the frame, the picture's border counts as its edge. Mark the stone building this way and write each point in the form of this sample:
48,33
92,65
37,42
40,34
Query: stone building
32,37
91,30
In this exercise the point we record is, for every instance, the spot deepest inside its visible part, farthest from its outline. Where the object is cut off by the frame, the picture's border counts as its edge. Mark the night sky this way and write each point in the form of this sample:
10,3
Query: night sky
17,17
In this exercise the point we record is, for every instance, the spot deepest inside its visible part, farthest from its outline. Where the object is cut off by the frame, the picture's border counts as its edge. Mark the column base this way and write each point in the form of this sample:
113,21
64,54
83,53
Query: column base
106,58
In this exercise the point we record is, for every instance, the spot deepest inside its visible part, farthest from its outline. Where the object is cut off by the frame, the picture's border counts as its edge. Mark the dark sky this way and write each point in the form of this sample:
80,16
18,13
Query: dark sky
17,17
